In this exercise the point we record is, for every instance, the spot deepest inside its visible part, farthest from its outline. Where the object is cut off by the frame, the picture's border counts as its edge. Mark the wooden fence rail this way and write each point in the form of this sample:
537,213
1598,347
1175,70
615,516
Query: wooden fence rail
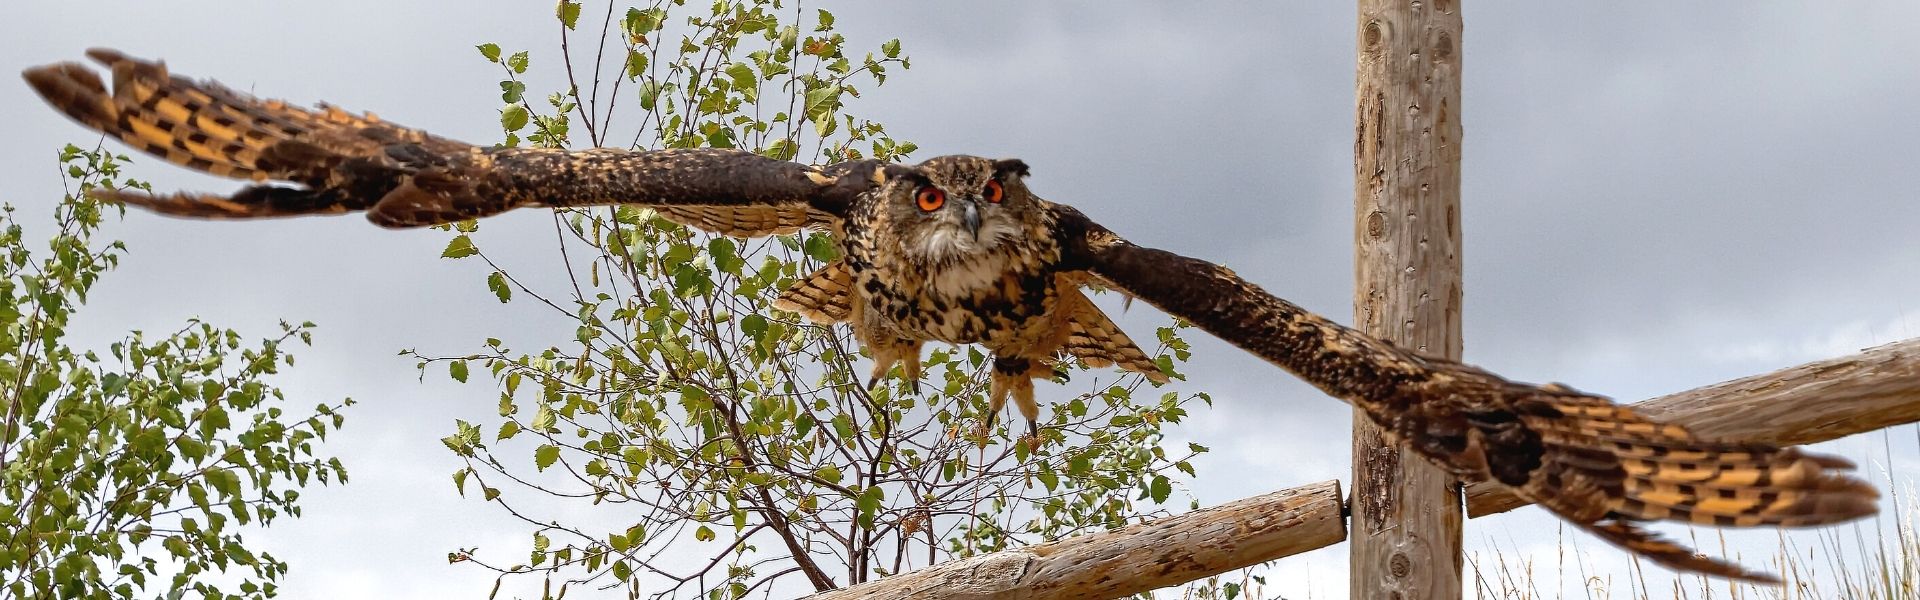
1814,402
1132,559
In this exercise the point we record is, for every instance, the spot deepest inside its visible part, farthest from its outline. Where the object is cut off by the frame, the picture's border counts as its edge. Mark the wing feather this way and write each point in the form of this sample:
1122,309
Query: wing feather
1583,457
343,162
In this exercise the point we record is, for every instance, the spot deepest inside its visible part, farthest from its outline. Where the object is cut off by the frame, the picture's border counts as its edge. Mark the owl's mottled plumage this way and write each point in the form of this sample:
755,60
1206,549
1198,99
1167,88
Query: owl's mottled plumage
975,269
1006,275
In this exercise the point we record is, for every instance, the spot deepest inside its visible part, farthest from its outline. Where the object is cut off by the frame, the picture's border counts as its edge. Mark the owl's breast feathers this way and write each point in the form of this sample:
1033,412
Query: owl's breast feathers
1001,298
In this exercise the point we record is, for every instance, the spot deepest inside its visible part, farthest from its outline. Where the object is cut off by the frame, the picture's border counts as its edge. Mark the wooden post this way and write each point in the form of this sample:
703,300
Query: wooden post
1406,513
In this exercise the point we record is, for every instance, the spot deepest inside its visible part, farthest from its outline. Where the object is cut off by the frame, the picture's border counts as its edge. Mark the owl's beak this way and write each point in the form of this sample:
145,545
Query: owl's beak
972,219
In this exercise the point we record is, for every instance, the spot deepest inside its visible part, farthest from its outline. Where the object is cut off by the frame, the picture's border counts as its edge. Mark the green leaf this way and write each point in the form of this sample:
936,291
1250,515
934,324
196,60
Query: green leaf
513,117
497,282
826,21
755,326
460,247
821,100
1160,489
891,48
704,534
821,248
490,50
545,455
507,430
569,13
869,503
742,75
649,94
511,91
543,419
518,62
458,370
636,64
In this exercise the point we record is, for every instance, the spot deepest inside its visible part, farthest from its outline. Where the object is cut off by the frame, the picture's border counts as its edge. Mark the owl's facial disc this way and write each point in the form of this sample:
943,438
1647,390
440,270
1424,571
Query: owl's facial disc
961,210
958,228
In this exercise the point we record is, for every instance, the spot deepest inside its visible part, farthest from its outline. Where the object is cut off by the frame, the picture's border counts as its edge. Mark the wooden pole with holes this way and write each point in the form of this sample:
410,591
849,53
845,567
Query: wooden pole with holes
1405,529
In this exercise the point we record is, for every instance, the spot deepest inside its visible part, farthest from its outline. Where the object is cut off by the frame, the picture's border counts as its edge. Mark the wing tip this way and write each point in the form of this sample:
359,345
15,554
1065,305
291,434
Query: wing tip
180,204
110,57
1649,545
817,316
1157,376
72,88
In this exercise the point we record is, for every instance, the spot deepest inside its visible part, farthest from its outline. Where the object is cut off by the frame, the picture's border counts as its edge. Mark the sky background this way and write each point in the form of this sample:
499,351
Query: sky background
1657,196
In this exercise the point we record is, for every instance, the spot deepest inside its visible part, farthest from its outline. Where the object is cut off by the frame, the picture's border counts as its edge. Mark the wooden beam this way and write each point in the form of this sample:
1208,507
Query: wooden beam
1132,559
1814,402
1406,512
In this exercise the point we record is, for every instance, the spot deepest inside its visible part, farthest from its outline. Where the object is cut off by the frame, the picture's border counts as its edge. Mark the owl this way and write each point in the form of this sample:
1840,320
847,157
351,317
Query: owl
957,249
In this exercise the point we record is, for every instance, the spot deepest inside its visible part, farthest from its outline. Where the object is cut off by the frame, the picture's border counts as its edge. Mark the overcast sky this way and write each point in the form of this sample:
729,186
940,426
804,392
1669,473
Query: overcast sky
1657,196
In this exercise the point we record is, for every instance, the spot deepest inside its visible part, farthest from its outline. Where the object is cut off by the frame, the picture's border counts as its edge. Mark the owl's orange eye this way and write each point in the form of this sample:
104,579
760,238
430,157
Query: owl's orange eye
930,198
994,193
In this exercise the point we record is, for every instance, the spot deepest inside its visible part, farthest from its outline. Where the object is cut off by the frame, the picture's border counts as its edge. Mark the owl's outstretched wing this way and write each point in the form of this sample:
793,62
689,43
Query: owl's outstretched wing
342,162
1598,464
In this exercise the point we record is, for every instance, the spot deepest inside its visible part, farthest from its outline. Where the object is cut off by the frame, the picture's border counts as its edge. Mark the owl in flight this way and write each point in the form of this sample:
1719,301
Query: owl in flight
957,249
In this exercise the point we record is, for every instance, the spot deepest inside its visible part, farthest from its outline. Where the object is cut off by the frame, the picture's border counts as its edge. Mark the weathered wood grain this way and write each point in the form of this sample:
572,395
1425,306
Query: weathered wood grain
1133,559
1406,512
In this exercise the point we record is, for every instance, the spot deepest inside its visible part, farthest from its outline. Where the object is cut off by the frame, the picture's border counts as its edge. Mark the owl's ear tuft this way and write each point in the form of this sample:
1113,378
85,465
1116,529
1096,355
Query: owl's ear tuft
894,171
1010,167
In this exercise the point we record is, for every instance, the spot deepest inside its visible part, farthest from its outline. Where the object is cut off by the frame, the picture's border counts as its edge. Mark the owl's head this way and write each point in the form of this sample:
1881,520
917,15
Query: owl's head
953,207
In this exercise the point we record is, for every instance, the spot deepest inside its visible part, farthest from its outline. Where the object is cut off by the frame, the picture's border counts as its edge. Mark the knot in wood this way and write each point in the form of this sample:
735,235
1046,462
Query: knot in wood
1376,224
1399,565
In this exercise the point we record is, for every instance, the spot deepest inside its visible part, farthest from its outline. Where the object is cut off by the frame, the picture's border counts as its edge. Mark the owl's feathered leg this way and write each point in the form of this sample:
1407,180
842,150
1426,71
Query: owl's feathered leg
900,351
1013,378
